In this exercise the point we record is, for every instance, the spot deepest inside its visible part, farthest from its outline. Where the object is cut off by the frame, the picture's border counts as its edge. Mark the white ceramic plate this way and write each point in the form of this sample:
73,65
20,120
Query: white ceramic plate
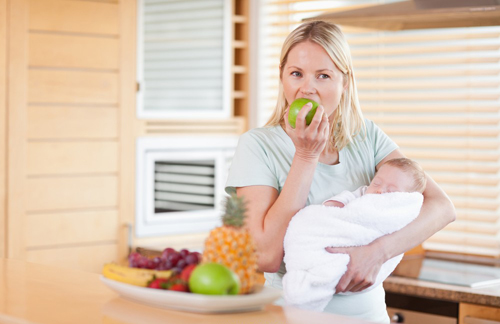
195,302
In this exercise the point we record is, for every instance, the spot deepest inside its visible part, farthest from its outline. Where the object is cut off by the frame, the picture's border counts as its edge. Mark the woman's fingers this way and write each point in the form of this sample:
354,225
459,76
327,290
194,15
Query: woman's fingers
318,116
359,275
325,124
309,140
332,249
300,122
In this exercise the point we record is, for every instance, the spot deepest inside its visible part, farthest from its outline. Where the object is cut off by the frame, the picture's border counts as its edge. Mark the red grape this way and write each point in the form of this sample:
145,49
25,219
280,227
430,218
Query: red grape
181,264
174,258
142,263
184,252
167,252
192,258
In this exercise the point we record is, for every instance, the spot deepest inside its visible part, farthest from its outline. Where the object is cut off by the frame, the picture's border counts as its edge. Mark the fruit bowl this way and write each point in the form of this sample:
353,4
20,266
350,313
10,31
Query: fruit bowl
196,303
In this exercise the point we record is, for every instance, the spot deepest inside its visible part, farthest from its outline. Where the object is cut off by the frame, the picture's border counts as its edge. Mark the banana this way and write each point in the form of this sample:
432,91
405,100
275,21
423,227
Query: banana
133,276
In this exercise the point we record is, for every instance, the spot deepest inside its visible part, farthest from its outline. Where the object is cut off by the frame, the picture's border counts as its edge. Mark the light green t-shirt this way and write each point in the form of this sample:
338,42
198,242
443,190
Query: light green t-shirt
263,158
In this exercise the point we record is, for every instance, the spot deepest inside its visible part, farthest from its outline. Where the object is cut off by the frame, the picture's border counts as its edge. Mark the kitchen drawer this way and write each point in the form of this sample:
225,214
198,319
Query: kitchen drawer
398,315
417,310
478,314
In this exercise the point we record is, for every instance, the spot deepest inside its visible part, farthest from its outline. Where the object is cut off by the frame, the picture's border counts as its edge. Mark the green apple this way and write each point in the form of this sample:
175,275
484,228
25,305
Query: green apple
296,106
214,279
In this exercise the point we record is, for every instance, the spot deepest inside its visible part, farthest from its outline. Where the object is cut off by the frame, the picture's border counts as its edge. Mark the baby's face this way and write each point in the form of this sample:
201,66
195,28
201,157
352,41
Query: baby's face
390,179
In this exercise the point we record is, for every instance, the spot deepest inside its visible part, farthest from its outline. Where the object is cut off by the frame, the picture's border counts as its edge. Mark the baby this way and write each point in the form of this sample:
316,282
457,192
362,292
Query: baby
396,175
311,272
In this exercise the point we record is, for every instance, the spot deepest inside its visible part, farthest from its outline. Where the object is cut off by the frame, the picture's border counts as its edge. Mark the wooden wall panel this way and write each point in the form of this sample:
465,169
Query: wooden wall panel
56,122
68,51
106,1
71,157
3,127
16,142
86,257
62,193
128,122
74,16
76,87
44,230
64,130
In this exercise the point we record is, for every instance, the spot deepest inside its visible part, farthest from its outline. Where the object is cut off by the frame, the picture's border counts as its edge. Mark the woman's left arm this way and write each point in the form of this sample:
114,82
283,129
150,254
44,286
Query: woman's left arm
365,261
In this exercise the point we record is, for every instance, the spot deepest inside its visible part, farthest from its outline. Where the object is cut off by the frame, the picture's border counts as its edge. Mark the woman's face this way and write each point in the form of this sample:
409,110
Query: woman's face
310,73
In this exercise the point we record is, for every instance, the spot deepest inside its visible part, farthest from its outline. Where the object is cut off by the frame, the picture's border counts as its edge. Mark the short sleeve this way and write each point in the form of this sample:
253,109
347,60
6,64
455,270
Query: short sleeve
382,144
251,164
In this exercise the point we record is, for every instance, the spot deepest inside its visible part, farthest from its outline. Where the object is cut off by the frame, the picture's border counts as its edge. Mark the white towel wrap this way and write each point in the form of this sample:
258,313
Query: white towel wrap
313,273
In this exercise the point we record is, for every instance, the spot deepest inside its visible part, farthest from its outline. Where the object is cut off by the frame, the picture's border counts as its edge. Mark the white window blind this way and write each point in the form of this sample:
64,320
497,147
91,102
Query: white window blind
184,58
435,92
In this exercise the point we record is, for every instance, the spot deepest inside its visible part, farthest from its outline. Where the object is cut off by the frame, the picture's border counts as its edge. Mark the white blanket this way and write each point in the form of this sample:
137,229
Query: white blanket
313,273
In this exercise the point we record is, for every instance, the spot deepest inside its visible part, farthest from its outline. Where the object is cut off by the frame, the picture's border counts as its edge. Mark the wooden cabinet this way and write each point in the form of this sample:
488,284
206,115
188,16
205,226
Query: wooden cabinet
478,314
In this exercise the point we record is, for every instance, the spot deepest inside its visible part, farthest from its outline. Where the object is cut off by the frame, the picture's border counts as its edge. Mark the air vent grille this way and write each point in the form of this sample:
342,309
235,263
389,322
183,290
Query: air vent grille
184,185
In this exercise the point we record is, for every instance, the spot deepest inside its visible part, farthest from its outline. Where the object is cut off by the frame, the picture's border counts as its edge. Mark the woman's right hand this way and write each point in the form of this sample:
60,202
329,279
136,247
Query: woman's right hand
269,212
309,140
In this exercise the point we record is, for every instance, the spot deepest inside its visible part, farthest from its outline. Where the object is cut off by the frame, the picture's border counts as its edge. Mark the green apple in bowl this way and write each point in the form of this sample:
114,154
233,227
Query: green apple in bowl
296,106
214,279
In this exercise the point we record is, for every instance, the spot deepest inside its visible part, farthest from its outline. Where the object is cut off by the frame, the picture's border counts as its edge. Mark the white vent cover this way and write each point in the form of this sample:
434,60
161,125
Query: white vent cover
184,185
180,183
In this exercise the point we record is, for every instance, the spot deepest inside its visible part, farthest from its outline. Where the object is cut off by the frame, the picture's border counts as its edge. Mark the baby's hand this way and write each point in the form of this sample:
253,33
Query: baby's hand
334,203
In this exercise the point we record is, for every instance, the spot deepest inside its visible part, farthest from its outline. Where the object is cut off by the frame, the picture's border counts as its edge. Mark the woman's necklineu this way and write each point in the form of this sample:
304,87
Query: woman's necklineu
329,158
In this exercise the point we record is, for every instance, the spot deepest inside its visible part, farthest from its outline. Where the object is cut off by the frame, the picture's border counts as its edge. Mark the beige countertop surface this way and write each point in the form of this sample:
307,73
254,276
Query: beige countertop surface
39,294
487,296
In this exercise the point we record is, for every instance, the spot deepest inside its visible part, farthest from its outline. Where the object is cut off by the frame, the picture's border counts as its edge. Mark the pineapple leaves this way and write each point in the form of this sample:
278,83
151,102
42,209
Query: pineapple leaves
235,211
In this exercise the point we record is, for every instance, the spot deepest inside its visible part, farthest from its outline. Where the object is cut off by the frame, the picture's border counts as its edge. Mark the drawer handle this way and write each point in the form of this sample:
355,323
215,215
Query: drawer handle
475,320
397,318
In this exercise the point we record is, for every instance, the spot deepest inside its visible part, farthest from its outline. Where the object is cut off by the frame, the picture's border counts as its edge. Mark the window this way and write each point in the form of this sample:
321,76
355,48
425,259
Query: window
184,59
435,92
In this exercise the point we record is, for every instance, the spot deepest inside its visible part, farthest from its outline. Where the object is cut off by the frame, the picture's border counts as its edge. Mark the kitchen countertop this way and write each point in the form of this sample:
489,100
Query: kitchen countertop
487,296
40,294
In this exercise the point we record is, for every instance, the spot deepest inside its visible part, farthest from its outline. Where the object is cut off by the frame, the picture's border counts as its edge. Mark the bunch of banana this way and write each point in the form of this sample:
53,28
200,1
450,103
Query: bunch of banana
133,276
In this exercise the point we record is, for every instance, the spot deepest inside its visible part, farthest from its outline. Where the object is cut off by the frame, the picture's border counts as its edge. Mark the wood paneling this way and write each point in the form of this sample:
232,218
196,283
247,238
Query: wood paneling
74,16
128,122
77,87
70,51
231,126
3,127
241,61
184,241
57,122
87,257
60,193
72,157
63,149
44,230
16,143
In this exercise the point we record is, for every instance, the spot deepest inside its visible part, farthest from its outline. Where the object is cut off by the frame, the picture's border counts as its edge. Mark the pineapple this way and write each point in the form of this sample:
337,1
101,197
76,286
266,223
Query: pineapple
232,245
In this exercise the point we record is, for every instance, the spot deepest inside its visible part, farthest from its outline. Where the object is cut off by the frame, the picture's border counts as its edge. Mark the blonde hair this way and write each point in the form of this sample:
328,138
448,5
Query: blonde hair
413,168
348,119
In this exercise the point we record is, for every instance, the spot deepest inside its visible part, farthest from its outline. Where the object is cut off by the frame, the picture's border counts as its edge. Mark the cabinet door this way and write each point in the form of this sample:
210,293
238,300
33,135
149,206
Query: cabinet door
477,314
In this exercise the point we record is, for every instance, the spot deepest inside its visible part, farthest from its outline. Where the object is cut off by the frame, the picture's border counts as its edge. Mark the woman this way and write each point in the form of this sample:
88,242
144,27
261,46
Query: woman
280,169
